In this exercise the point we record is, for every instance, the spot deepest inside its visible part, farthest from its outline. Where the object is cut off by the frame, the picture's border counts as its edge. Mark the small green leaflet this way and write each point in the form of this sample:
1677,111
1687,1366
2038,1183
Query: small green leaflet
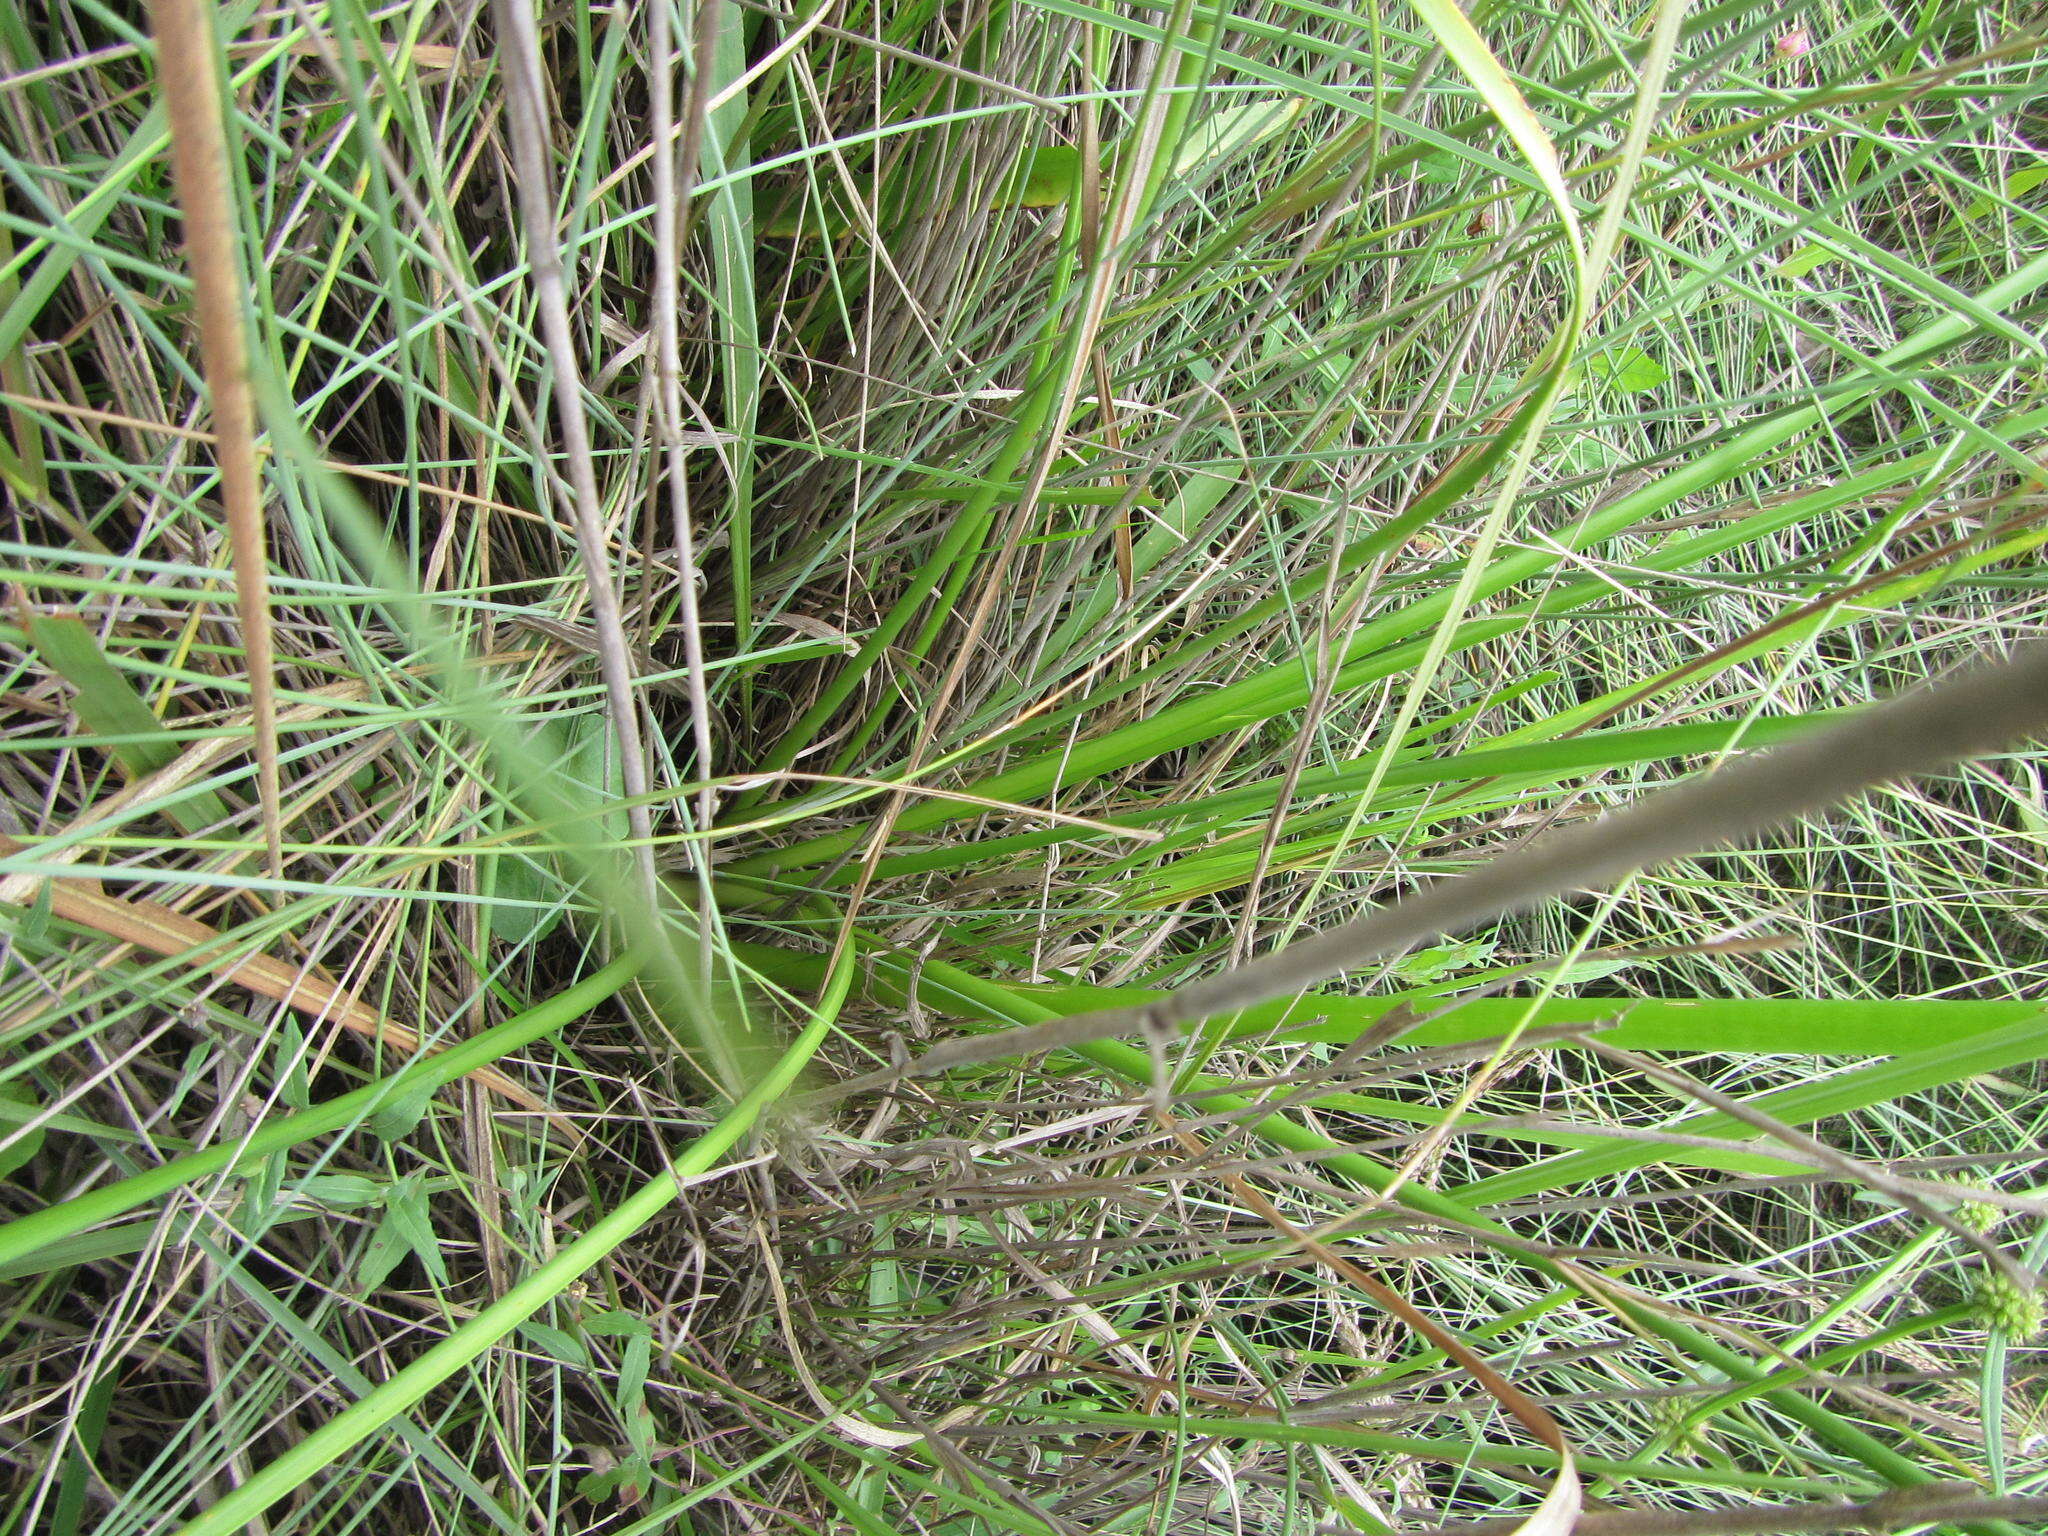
1628,369
407,1227
1803,261
2017,185
24,1147
1234,130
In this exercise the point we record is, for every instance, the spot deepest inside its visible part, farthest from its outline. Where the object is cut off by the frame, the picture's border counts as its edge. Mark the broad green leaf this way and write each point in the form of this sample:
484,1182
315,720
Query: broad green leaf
1424,965
107,703
407,1210
634,1361
616,1324
591,779
1046,179
289,1049
398,1113
523,901
1359,1518
109,707
1737,1026
1233,130
1806,259
341,1191
2017,185
1628,369
382,1253
556,1344
24,1147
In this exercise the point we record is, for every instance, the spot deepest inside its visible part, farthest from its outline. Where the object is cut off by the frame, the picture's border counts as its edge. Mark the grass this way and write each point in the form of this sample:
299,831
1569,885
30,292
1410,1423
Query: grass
899,523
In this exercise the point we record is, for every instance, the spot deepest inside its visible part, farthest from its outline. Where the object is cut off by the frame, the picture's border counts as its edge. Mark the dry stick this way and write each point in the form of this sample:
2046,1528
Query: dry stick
185,66
527,88
1948,1503
672,187
1926,729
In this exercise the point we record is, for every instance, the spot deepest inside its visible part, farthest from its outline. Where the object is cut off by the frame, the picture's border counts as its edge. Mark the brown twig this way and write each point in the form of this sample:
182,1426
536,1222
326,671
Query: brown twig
199,166
526,87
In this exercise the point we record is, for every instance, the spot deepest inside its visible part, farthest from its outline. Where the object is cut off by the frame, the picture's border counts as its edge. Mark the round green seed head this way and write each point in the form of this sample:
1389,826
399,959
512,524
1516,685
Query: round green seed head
2007,1307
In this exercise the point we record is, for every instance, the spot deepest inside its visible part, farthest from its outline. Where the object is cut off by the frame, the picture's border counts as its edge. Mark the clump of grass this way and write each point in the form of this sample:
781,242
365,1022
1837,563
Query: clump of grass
794,537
